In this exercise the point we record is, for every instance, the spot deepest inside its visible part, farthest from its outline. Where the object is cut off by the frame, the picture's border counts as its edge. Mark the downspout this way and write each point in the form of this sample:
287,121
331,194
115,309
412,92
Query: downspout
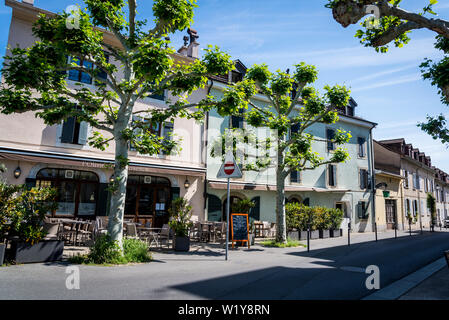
206,129
373,187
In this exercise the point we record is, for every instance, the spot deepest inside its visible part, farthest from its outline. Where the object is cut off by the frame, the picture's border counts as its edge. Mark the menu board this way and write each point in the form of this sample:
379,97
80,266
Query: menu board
239,228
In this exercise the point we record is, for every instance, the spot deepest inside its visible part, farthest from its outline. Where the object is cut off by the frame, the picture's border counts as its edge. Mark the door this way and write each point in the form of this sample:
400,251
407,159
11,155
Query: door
390,212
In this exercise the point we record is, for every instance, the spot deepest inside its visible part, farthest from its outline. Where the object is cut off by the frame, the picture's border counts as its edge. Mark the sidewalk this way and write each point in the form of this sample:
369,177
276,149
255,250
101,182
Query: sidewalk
436,287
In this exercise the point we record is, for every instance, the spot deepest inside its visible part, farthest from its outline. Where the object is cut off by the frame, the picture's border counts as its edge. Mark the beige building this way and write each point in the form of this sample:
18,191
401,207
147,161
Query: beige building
59,155
419,180
389,183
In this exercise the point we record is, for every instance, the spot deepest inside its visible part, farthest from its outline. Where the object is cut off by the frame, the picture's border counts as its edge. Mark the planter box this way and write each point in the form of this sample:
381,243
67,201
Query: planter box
334,233
2,253
315,234
182,244
302,235
324,234
43,251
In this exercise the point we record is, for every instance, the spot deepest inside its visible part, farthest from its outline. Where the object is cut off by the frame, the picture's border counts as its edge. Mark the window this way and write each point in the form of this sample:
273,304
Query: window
332,175
364,179
362,210
330,134
361,146
74,131
415,207
77,191
79,76
406,179
426,185
295,128
84,77
237,121
295,176
416,182
158,96
165,130
407,206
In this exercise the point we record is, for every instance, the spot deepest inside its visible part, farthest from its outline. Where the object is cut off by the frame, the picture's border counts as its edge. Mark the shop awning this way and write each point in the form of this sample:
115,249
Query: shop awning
87,162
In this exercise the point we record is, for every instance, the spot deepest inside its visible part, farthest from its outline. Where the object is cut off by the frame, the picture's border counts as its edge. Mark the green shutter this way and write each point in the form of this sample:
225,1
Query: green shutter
254,213
68,129
175,192
214,210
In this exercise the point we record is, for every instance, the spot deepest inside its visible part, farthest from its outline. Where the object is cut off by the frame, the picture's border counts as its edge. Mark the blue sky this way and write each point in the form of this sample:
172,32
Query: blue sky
387,87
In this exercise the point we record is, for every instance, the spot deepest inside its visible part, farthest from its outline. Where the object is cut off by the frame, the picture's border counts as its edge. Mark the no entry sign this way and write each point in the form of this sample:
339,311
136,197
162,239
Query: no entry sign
229,169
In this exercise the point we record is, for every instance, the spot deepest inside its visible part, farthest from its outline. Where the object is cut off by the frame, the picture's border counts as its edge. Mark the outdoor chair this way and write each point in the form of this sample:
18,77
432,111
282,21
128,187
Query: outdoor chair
52,230
68,233
195,231
86,232
266,230
164,235
131,231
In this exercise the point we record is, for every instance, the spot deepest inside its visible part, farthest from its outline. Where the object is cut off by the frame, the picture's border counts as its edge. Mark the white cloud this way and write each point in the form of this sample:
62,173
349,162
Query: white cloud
401,80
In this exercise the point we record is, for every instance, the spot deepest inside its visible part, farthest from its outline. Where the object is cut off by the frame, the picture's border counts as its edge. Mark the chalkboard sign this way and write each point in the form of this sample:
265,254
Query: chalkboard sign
239,228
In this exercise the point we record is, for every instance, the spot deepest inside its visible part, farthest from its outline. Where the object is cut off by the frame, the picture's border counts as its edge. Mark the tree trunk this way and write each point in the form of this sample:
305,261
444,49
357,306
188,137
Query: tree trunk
116,213
281,230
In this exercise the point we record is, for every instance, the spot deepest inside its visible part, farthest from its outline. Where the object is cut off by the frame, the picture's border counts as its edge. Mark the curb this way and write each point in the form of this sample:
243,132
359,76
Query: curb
398,288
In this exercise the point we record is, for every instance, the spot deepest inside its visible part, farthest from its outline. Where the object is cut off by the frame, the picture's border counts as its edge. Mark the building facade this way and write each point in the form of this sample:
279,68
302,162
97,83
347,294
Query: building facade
420,178
345,185
59,155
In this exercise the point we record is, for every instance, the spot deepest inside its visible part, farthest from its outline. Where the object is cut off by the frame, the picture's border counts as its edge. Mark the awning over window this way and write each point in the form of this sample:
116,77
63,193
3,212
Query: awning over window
221,185
86,163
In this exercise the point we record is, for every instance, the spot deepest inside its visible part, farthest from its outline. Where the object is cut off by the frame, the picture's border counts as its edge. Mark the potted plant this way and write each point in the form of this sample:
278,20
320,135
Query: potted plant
292,212
336,217
180,214
322,222
26,209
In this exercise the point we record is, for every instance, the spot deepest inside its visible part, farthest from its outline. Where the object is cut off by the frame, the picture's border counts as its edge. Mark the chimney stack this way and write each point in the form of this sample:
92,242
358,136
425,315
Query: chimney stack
30,2
193,48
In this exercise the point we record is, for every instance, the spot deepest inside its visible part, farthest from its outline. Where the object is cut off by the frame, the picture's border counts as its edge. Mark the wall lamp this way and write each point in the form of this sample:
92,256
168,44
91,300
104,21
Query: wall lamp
17,173
186,184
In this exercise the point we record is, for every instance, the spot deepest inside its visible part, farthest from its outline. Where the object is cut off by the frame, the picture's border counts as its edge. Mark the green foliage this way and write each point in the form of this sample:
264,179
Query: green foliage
106,251
25,209
136,250
242,206
299,216
431,205
180,214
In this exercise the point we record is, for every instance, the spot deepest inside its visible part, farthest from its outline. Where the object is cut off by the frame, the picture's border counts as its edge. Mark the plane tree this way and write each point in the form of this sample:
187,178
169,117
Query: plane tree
136,61
294,106
392,24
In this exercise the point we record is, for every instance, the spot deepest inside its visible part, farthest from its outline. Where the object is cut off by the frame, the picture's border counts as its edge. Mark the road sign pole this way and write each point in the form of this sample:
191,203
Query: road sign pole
228,201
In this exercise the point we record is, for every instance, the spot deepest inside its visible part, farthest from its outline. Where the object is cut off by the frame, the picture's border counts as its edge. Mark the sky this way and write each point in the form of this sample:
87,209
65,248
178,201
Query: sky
388,87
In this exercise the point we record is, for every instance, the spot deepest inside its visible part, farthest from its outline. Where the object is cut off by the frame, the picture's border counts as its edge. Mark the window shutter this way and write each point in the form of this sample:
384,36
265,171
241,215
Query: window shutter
330,133
306,202
254,213
167,132
175,192
361,143
68,129
84,128
334,175
359,210
362,177
213,208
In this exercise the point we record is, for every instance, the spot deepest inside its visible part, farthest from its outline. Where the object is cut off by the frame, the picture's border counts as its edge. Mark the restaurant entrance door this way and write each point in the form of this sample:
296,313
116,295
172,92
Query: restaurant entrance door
147,199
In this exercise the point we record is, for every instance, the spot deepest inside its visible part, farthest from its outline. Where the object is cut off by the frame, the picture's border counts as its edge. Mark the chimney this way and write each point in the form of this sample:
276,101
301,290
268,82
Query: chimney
30,2
183,50
193,48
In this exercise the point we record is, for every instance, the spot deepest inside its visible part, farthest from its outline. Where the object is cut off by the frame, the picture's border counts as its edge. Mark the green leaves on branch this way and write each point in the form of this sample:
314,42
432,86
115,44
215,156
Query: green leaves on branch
173,15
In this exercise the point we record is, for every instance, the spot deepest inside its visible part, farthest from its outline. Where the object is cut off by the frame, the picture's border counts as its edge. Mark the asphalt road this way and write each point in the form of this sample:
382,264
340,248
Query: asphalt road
331,270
